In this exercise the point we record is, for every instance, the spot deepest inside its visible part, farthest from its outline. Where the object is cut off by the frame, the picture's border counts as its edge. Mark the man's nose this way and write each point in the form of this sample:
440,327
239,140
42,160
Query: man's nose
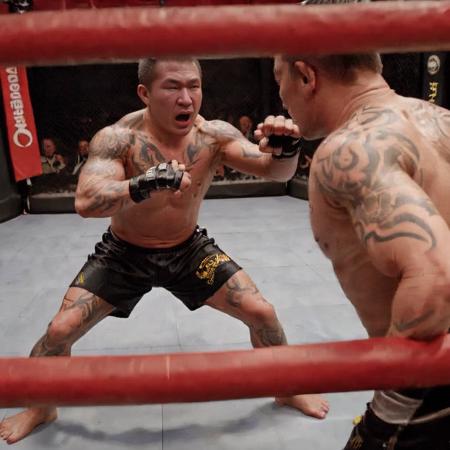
184,98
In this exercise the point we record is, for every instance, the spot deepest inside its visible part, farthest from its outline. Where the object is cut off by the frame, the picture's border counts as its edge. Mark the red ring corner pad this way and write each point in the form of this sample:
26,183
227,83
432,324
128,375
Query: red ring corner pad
89,35
379,363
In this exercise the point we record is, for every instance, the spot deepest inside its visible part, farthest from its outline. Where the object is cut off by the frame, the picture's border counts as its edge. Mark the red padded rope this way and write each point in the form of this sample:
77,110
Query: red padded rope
256,30
381,363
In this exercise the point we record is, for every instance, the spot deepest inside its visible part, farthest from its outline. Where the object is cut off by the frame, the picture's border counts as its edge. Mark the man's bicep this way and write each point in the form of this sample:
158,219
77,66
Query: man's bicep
111,143
242,155
397,223
236,151
107,169
107,150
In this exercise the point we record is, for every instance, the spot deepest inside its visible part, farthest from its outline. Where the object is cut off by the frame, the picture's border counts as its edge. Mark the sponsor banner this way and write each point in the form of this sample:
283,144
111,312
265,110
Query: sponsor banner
434,77
21,129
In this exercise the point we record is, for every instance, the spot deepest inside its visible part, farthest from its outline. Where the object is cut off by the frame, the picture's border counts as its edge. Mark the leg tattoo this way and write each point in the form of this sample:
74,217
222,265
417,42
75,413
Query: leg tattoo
237,290
267,336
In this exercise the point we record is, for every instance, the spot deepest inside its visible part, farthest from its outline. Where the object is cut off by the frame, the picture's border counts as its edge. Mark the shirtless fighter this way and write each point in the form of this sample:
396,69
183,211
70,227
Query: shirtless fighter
379,191
149,172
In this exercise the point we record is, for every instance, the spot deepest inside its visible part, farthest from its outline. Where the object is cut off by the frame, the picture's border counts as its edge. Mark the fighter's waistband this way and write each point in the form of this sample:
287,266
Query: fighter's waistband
150,250
396,409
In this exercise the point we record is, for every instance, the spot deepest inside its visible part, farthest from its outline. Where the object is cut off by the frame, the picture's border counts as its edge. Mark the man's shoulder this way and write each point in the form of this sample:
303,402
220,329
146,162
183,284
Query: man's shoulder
117,130
333,142
112,142
131,121
219,129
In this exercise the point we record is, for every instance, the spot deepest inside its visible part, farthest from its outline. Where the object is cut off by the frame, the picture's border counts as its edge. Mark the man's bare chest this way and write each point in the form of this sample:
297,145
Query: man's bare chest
197,159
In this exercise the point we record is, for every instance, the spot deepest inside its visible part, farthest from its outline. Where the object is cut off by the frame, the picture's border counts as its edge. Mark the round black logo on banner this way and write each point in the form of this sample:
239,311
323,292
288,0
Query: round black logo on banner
433,64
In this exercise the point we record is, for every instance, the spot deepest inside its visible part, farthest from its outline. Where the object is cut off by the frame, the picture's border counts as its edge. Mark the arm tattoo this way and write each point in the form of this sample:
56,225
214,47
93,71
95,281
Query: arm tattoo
105,195
98,168
223,130
111,143
101,180
134,120
404,325
364,174
436,120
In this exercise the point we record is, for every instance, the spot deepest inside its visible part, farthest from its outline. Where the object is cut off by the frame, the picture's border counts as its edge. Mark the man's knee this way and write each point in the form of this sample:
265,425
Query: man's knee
63,328
261,313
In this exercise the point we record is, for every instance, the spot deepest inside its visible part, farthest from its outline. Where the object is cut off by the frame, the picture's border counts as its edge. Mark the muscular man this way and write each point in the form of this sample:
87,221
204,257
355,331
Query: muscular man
149,172
378,189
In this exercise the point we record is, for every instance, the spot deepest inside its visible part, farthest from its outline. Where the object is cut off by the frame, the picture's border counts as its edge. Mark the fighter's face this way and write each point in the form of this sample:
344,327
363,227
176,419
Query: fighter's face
290,92
175,96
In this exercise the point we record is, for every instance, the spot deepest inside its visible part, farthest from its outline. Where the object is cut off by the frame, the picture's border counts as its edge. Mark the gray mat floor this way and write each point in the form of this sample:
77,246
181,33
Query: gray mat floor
271,238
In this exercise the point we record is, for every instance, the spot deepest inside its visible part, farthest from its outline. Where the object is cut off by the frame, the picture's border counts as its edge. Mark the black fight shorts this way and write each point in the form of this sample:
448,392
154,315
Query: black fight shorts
428,428
121,273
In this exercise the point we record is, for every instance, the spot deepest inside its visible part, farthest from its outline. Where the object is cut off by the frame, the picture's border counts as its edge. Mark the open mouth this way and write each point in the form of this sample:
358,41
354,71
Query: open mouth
182,118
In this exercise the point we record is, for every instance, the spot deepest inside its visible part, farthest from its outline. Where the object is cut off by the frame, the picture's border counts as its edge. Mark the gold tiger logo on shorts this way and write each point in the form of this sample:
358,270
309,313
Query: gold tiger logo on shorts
80,278
207,268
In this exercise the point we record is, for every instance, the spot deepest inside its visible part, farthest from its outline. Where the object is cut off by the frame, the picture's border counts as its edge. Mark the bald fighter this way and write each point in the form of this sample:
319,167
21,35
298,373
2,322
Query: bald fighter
149,172
379,193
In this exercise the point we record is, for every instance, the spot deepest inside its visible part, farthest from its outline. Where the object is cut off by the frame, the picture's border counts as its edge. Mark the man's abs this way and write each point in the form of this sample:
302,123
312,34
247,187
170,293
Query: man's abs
160,222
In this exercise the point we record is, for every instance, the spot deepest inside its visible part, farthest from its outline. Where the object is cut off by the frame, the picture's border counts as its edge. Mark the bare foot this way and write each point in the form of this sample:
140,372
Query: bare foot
15,428
313,405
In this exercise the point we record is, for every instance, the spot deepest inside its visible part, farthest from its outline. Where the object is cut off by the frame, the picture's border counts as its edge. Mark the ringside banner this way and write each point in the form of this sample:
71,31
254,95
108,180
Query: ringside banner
21,129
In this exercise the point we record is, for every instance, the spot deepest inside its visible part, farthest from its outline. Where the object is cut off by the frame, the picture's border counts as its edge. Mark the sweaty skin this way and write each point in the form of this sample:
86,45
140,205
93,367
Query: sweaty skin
168,129
378,192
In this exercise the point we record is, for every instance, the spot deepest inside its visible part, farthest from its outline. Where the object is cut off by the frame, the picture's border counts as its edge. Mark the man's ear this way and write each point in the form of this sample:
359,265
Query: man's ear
306,73
143,94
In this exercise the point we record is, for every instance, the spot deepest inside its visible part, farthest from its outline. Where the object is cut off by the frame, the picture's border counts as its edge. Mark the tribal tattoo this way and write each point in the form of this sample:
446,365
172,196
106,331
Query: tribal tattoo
223,131
88,310
368,171
413,323
268,336
111,143
148,155
236,290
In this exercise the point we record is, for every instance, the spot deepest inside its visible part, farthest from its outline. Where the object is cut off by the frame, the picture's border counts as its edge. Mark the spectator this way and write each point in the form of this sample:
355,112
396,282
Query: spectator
245,124
82,155
52,162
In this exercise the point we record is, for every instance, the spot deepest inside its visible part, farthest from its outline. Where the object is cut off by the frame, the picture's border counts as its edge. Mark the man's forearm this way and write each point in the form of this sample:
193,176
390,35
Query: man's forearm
102,198
420,309
282,169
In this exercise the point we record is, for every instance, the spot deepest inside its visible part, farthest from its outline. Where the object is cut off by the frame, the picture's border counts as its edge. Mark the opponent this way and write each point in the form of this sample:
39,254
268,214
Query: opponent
378,191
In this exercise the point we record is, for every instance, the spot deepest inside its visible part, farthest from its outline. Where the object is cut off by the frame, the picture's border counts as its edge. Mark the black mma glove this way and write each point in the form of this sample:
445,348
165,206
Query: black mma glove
289,146
162,176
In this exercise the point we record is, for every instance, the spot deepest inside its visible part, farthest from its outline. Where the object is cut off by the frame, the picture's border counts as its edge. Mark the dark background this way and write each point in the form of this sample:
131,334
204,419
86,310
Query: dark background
74,102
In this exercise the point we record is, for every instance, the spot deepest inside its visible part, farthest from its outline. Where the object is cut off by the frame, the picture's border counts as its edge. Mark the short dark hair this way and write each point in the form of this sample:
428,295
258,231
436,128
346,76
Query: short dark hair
341,67
146,68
